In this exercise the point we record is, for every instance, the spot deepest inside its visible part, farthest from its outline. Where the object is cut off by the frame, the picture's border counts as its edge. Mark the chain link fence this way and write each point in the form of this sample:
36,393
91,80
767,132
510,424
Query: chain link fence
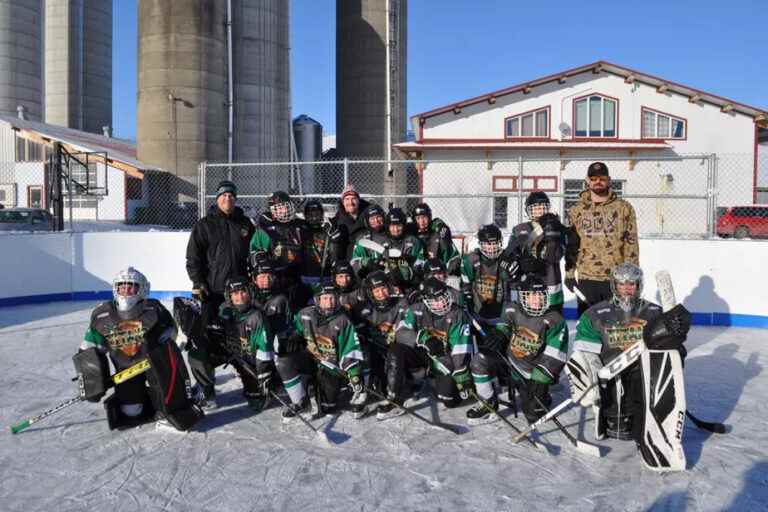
673,196
689,196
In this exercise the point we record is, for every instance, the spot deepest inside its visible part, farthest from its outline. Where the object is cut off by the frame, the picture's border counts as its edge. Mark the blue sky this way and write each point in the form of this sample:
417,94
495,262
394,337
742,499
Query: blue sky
462,48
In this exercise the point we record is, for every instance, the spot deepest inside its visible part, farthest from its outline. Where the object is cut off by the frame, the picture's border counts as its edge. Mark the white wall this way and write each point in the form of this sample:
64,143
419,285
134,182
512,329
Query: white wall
717,276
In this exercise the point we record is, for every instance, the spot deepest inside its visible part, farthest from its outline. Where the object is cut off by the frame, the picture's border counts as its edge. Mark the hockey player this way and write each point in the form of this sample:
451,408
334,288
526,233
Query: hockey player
128,329
377,318
364,260
530,345
484,283
537,246
347,286
435,236
433,267
333,355
247,334
322,245
285,237
604,331
403,269
269,299
433,334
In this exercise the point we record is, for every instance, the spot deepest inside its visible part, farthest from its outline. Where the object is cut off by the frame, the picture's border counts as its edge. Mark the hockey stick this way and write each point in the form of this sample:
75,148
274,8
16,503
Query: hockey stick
325,251
607,372
454,429
708,426
582,446
119,377
496,413
376,247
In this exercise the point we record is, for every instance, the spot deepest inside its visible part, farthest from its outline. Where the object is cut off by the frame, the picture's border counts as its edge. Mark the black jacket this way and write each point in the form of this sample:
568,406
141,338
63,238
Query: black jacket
218,248
349,226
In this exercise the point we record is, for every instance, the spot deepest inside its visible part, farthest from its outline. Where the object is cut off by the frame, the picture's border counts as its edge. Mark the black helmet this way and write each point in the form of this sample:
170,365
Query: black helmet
335,305
533,295
435,295
373,211
396,217
434,266
489,239
534,198
421,209
281,207
238,283
377,279
343,267
314,213
259,262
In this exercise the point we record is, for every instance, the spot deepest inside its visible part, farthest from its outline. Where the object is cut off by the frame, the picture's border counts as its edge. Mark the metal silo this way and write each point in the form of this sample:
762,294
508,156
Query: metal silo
182,86
308,136
78,64
370,83
21,80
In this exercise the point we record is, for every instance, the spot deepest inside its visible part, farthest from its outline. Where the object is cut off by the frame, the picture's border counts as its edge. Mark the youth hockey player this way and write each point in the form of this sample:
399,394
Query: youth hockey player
347,286
404,268
332,356
323,246
530,345
433,334
269,299
607,329
364,260
128,329
537,246
435,236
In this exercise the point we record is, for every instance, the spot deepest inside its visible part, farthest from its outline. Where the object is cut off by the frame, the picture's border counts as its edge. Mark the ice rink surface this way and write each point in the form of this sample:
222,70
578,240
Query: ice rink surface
237,461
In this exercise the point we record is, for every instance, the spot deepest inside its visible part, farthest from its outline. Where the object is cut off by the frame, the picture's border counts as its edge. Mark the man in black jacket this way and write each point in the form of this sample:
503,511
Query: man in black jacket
217,250
349,219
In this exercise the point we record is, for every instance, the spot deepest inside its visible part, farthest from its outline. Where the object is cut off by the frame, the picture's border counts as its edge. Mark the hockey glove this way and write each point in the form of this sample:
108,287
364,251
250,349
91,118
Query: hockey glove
334,234
294,343
509,263
531,265
200,292
434,347
668,331
495,341
551,225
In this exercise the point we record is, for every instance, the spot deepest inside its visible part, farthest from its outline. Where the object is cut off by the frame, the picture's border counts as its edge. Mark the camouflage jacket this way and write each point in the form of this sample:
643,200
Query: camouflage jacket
605,236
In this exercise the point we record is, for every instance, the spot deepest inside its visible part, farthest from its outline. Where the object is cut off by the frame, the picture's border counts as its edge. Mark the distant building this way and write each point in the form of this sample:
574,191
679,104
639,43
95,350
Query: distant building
118,184
597,111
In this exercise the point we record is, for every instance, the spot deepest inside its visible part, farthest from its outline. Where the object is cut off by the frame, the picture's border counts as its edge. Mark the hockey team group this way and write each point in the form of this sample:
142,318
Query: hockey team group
361,312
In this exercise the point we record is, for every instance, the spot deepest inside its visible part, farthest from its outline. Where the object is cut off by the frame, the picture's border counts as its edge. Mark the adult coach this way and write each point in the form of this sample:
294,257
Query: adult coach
217,250
602,235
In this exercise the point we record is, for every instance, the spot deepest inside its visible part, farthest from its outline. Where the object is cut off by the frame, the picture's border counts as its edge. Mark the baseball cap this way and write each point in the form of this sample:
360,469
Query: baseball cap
597,169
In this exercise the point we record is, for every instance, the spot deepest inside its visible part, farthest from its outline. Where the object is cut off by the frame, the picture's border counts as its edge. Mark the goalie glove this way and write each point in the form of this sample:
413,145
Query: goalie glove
668,331
581,370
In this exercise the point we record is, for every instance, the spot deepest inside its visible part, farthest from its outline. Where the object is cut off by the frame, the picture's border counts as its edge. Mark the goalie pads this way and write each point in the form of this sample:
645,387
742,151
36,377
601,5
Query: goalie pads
661,439
93,374
581,370
171,389
186,313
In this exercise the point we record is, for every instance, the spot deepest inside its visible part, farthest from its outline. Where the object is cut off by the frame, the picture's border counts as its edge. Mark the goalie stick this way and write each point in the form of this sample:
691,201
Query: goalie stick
376,247
122,376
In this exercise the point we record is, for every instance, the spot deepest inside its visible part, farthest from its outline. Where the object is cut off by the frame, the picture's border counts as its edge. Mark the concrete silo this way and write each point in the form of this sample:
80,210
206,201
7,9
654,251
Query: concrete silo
21,56
78,64
370,82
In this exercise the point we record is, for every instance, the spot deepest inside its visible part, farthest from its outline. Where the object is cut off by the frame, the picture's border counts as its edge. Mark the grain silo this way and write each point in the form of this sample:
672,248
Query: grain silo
21,71
184,92
78,64
370,82
308,137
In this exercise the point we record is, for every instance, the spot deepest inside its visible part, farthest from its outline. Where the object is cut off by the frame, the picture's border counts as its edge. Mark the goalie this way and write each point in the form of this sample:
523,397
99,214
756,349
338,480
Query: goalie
646,402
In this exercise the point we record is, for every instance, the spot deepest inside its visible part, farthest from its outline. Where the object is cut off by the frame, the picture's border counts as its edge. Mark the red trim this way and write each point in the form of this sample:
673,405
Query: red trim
548,108
535,186
422,122
526,139
638,76
172,380
463,241
573,117
642,108
754,176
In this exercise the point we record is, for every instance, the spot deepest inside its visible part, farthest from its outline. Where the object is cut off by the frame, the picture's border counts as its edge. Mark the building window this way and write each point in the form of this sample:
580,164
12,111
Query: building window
595,116
83,178
572,189
529,124
657,125
35,196
500,211
28,151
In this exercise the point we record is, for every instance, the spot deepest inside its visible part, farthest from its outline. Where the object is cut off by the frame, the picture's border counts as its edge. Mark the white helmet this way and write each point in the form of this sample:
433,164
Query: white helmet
627,273
126,303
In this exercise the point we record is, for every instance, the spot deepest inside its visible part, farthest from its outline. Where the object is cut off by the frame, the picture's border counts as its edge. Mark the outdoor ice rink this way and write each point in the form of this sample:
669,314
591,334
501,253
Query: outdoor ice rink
237,461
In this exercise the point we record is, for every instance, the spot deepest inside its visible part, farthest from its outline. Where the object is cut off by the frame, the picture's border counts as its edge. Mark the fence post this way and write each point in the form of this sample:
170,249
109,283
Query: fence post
712,192
519,190
346,172
201,190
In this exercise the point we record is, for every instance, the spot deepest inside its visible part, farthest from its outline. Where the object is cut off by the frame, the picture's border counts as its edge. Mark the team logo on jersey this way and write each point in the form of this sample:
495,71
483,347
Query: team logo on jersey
127,337
485,284
322,348
524,342
623,335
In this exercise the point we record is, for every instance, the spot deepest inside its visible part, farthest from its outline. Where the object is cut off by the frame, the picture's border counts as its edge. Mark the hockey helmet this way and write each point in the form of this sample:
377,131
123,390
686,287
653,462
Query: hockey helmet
534,199
396,217
374,213
314,213
238,284
281,207
627,297
129,288
343,271
490,241
435,268
378,289
435,295
327,300
533,295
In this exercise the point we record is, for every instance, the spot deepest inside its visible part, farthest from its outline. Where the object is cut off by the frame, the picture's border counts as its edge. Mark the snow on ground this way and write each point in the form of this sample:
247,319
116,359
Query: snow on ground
235,460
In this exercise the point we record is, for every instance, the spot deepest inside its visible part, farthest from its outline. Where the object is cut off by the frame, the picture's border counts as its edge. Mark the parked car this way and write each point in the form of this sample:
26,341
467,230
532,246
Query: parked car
25,219
744,222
